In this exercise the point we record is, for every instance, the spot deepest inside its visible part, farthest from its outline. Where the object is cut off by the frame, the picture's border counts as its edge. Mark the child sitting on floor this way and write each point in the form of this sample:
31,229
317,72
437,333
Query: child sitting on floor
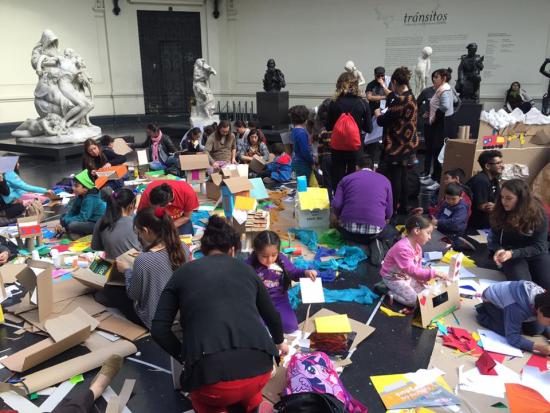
402,270
276,272
84,210
280,169
452,218
452,176
511,308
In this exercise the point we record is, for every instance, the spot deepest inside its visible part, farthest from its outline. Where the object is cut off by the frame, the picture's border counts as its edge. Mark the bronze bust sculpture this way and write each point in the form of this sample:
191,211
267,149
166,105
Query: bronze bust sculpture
469,74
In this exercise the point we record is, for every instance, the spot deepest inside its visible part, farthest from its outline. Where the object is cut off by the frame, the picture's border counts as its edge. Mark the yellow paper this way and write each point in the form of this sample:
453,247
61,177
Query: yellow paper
390,313
466,261
476,336
245,203
314,198
1,315
79,246
333,324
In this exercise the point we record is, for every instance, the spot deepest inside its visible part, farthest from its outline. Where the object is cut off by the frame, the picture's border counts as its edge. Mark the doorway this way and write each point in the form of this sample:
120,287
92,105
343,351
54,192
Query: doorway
169,43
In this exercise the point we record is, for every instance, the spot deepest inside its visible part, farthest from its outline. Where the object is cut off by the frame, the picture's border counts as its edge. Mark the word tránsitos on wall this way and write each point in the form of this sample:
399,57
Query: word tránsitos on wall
433,17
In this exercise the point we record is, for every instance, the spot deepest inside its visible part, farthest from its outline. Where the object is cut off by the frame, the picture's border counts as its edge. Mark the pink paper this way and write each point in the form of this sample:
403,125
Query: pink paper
58,273
195,175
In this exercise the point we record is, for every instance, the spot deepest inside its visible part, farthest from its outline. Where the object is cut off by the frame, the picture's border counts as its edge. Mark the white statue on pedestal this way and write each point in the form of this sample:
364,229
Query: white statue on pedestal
203,112
422,71
350,67
59,97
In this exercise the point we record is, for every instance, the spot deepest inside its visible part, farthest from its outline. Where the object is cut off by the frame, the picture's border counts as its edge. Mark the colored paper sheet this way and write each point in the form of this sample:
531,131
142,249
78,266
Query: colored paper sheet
391,313
314,198
76,379
539,362
258,190
312,291
245,203
333,324
195,175
498,344
497,357
522,399
58,273
486,365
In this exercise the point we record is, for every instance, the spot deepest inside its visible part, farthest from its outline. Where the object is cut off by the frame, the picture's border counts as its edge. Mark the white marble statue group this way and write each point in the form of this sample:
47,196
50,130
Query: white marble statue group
63,96
203,112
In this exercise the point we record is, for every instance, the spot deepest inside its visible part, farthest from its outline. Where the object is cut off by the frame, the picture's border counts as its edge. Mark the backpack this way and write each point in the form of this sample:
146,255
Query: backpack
379,247
314,373
346,135
309,402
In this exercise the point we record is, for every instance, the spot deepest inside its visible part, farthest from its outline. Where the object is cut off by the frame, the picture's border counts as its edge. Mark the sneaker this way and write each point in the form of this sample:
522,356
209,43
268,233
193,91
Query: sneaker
424,175
433,187
427,181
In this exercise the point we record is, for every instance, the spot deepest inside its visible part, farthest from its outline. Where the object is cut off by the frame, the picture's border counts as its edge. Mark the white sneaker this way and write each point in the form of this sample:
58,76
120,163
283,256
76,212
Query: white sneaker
433,187
427,181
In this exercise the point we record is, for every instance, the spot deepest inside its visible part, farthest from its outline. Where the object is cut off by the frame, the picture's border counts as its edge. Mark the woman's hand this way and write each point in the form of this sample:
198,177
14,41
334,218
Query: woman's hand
122,266
311,274
502,256
107,165
442,275
283,349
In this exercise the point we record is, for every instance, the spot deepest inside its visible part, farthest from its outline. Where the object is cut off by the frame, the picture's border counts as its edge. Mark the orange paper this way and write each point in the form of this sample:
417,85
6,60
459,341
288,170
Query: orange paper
523,399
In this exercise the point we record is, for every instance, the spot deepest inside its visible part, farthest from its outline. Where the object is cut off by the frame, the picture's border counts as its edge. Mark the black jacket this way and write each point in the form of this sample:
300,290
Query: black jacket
354,105
166,147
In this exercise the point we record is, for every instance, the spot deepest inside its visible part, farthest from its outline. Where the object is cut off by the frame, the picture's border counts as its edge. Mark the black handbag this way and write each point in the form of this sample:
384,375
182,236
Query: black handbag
309,402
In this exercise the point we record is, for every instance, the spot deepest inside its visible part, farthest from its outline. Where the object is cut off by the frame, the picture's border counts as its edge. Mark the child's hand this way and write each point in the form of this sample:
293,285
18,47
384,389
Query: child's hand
311,274
122,266
442,275
543,349
59,229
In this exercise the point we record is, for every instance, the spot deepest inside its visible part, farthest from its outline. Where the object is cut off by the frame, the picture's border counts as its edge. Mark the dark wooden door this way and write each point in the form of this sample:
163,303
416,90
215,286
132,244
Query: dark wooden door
169,42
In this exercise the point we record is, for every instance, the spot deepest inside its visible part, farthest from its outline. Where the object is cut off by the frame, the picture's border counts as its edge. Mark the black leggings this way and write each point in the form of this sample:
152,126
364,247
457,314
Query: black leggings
397,173
79,403
343,163
532,269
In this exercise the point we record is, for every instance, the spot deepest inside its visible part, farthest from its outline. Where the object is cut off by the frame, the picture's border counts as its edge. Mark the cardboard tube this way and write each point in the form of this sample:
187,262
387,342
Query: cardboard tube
63,371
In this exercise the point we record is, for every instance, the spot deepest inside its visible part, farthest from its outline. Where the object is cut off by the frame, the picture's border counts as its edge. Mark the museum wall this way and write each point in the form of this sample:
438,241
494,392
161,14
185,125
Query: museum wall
310,40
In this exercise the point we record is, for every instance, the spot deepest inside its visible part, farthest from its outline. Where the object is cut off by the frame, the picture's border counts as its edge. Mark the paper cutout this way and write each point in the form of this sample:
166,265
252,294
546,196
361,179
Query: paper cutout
245,203
195,175
391,313
258,190
498,344
499,358
423,300
314,198
499,405
522,399
312,291
462,340
539,362
486,365
333,324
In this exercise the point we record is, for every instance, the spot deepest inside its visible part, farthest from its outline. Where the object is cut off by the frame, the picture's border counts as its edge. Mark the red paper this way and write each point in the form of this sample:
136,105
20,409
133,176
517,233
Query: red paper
497,356
462,340
486,365
539,362
195,175
60,248
422,300
523,399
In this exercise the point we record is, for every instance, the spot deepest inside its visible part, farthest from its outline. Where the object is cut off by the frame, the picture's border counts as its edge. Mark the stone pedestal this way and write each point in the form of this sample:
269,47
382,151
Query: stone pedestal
468,114
272,109
198,121
76,134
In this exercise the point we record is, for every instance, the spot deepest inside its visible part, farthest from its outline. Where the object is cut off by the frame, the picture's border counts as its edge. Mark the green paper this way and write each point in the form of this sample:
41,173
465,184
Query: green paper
499,405
155,173
33,396
65,241
76,379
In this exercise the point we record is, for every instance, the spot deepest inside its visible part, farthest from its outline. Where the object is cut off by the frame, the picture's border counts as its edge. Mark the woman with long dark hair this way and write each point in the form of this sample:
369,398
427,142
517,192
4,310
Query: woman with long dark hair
114,232
162,254
95,158
227,350
221,146
519,230
516,97
399,140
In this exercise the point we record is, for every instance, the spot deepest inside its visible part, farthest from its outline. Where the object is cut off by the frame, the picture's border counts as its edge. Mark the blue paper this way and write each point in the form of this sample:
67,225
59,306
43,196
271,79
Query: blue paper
302,183
258,190
361,295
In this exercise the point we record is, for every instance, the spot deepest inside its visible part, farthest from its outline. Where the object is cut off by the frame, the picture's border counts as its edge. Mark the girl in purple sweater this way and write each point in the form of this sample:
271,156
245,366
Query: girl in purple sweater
402,270
277,272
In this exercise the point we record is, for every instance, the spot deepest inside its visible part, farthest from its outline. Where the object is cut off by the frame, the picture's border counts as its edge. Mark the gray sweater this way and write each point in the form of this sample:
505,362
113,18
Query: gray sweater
116,242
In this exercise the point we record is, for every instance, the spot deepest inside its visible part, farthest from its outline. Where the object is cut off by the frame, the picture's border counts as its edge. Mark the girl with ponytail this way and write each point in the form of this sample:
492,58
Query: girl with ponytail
163,253
114,232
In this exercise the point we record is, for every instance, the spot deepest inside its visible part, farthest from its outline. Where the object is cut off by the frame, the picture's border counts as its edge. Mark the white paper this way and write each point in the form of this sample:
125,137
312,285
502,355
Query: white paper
469,283
474,381
497,344
540,381
312,291
142,157
34,297
108,393
2,358
48,391
423,377
18,402
108,336
240,216
59,394
37,271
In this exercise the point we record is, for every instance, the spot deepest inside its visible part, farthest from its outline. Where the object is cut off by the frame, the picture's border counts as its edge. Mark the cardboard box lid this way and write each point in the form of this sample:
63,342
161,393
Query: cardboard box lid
120,147
238,184
90,278
9,272
59,328
230,171
194,162
122,327
217,178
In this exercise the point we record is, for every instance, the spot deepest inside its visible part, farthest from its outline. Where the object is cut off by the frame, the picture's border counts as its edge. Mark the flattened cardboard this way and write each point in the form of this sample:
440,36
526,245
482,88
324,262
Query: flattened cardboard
213,191
9,272
120,147
238,184
42,283
194,162
78,365
68,289
275,386
257,164
46,349
122,327
77,319
435,306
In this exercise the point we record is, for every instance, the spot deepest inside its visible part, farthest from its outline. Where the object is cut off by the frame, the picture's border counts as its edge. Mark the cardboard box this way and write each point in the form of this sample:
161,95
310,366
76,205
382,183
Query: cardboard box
67,331
432,306
112,277
257,164
460,153
29,227
232,187
213,190
36,278
120,147
195,167
307,215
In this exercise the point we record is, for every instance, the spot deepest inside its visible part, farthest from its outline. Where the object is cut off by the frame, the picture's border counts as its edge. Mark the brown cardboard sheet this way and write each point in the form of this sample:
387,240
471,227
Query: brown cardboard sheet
120,147
122,327
78,365
194,162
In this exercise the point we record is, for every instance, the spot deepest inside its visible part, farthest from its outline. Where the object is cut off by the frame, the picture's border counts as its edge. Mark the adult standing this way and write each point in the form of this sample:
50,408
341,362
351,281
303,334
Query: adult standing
400,139
227,350
160,148
346,135
519,230
423,103
376,92
179,199
221,146
441,123
362,203
485,188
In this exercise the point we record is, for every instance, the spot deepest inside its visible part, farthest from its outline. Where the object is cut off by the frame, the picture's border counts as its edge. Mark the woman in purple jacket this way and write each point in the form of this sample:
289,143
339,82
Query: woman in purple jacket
277,272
